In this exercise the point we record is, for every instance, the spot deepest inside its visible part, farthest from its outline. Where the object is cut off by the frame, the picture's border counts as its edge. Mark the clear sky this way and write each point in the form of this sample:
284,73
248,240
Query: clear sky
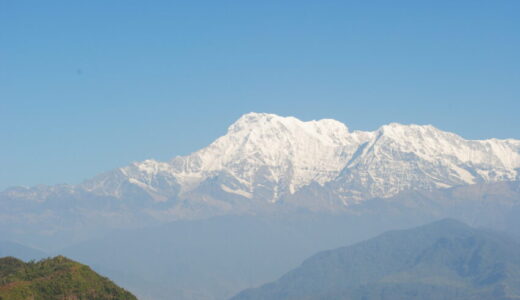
88,86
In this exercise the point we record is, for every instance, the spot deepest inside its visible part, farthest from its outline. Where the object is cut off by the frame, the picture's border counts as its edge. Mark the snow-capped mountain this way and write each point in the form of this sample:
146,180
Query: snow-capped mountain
264,165
265,158
402,157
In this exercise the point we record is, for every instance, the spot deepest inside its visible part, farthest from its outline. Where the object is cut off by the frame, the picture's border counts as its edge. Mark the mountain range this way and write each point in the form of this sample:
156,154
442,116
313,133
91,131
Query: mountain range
267,158
266,163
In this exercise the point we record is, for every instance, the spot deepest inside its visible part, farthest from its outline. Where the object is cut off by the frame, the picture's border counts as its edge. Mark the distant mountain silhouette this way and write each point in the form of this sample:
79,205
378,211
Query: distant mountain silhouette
442,260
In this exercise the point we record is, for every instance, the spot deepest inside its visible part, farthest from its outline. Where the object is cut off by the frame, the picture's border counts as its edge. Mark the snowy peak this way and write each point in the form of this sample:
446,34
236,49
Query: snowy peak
261,121
266,158
402,157
280,151
254,128
431,143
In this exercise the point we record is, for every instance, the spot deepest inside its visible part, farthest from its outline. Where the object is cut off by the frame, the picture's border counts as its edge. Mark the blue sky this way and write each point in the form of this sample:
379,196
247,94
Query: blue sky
87,86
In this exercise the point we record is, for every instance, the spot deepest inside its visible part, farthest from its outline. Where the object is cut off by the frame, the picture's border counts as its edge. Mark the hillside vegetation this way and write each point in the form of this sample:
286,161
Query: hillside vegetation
55,278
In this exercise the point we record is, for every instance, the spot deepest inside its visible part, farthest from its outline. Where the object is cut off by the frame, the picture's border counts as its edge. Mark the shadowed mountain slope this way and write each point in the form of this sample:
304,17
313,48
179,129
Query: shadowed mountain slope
442,260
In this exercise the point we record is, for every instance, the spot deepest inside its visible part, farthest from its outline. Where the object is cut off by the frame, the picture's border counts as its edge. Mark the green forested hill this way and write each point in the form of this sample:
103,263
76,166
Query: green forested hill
55,278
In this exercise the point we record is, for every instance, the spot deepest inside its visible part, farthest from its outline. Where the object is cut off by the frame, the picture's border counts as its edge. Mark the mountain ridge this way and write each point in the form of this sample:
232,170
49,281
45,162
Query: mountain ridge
265,158
442,260
285,154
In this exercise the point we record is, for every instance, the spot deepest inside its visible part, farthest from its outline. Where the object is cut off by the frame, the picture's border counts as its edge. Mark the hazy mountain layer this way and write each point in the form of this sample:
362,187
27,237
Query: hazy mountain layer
213,259
20,251
443,260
